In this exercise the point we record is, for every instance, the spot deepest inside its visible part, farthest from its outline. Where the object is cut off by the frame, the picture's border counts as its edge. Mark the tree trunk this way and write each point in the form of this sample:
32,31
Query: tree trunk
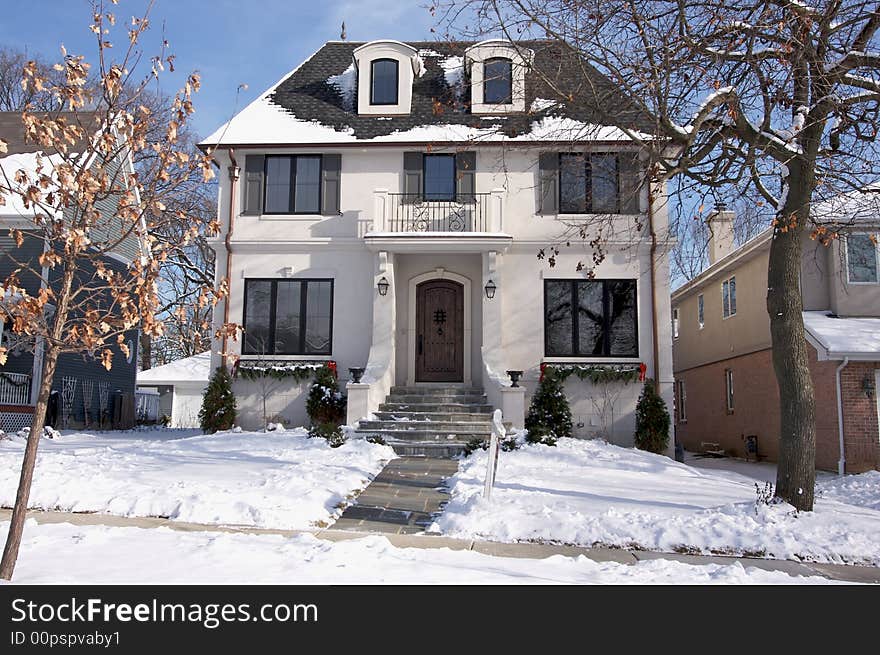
16,525
146,351
796,470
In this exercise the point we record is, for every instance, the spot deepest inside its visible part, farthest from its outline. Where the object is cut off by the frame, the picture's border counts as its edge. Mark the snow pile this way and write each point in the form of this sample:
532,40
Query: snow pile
100,554
541,104
590,492
279,479
861,490
48,432
346,84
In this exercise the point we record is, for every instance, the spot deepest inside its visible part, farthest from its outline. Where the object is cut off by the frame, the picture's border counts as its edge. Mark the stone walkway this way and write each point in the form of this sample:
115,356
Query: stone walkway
402,499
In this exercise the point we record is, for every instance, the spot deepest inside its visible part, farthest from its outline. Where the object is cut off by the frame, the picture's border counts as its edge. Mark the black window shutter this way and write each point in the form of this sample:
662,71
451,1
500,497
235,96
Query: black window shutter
330,184
630,182
252,198
465,167
412,177
548,171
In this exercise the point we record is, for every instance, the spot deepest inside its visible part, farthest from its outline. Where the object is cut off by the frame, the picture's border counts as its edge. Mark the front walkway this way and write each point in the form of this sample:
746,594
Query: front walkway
402,499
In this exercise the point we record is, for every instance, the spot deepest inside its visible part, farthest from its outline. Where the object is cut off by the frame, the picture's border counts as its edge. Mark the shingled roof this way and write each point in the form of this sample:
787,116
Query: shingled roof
313,103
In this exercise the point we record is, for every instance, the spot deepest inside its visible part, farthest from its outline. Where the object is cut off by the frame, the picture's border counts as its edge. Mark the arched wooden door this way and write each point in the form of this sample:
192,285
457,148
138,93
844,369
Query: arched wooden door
439,331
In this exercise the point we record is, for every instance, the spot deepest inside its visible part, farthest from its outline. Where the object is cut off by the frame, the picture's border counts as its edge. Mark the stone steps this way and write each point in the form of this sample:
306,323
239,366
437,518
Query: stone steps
431,421
437,399
445,408
433,427
425,417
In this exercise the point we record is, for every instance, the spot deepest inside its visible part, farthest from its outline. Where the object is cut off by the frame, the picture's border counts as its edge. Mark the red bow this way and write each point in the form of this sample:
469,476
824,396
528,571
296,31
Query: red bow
643,369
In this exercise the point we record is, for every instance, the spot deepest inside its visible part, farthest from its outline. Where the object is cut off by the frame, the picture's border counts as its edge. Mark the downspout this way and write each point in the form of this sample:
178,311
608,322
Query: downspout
841,463
233,183
656,341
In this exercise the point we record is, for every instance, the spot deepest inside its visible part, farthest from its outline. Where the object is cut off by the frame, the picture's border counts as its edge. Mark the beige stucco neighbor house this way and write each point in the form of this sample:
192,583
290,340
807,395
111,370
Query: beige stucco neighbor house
383,207
726,392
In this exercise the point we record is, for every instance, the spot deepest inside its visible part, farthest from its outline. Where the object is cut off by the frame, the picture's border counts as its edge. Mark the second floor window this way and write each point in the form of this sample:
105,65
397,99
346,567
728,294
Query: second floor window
682,401
675,323
439,176
700,314
728,297
588,183
383,82
728,389
498,81
590,318
861,258
288,317
293,184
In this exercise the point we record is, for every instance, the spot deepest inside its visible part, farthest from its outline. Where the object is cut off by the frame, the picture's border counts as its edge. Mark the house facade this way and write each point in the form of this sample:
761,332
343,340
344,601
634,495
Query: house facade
384,206
725,386
88,395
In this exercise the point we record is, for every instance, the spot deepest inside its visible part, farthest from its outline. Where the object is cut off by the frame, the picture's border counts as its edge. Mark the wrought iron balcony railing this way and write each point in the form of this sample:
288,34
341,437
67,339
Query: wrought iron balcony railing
411,212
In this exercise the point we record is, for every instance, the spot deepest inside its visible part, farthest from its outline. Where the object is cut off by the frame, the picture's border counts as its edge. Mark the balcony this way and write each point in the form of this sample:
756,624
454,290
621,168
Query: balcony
409,222
15,389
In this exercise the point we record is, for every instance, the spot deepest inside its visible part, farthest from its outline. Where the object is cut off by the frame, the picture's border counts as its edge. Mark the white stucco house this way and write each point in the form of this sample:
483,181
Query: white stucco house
383,207
180,385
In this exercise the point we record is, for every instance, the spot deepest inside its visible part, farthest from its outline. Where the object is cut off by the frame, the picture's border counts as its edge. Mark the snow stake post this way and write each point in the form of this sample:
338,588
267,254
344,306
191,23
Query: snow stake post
494,444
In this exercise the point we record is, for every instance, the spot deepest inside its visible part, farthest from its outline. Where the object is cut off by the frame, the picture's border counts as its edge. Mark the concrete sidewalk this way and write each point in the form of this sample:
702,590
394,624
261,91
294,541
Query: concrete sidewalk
848,573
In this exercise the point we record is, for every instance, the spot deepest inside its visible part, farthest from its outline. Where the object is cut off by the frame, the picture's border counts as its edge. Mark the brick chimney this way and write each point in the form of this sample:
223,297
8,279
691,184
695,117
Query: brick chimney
720,224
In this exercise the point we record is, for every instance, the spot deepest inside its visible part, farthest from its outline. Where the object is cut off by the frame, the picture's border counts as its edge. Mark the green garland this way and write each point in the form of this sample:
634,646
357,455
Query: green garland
299,373
598,373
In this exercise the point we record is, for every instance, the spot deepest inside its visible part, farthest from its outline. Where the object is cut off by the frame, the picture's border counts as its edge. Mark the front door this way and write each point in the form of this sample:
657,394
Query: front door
439,331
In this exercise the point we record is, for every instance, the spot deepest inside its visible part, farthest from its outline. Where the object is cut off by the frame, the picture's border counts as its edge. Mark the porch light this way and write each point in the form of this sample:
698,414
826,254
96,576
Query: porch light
868,386
490,289
382,286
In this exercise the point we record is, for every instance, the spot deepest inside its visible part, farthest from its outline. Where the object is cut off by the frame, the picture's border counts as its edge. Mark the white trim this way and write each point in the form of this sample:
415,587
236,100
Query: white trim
437,274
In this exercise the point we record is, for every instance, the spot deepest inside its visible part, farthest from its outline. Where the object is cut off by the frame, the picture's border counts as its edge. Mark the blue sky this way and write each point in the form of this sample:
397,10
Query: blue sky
253,42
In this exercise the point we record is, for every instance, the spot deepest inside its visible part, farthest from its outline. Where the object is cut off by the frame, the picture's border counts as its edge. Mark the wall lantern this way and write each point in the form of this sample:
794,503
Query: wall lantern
868,386
490,289
382,286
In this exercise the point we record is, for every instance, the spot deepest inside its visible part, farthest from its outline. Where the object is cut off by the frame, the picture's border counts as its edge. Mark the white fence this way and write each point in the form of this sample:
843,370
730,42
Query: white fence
15,389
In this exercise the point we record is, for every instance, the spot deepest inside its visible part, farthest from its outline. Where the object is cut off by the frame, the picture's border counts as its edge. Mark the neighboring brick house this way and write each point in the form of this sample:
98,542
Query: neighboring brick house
384,207
95,396
725,385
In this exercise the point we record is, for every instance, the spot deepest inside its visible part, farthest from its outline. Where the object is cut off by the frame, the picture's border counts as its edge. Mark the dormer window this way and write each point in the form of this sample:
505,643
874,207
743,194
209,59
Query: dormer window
385,82
498,81
497,72
386,71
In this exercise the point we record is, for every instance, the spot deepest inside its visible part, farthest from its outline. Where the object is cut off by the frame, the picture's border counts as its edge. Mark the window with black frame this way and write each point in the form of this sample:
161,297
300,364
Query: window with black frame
589,183
383,82
590,318
293,184
498,81
439,177
288,317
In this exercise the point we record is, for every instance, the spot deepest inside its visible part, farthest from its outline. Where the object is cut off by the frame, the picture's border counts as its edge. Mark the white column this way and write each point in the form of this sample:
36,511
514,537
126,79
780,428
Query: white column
380,210
496,210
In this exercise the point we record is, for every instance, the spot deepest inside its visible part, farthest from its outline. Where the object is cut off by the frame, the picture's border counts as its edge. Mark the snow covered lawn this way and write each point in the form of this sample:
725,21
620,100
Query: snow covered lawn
278,479
100,554
590,492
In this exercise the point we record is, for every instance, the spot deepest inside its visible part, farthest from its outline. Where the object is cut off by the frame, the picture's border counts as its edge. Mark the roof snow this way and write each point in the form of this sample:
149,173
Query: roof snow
346,84
453,73
859,207
191,369
843,337
29,162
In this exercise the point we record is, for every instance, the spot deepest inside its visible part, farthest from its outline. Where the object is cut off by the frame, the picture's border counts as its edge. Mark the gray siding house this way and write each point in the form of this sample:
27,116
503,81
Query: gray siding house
88,395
